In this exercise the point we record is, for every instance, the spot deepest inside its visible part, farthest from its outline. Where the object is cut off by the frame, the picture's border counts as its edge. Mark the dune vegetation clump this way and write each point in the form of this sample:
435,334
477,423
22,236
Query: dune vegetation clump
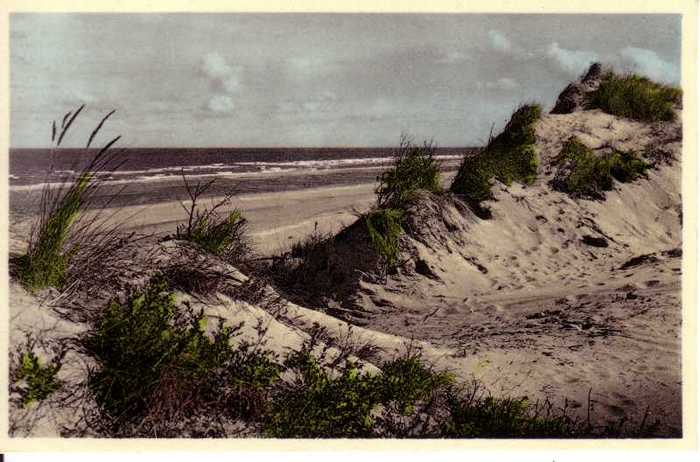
155,359
384,229
61,236
636,97
473,416
224,235
32,379
414,168
584,174
353,403
508,157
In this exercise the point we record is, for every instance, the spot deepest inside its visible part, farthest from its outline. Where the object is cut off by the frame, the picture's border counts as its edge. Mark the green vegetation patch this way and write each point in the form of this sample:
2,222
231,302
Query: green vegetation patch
414,168
584,174
33,380
384,229
472,416
345,405
219,235
508,157
46,262
148,350
636,97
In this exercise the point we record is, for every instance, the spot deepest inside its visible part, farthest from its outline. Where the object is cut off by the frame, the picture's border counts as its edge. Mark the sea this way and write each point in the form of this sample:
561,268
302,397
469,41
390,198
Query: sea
146,175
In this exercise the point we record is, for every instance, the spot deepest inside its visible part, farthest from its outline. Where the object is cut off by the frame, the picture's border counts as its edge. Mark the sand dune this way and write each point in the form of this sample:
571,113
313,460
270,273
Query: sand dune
553,298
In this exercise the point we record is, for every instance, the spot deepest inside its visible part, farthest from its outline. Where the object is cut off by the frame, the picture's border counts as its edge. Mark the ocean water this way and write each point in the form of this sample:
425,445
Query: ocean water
32,168
153,175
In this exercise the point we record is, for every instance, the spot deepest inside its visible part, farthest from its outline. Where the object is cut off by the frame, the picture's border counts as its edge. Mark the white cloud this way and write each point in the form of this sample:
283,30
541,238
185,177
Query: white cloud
648,63
215,66
504,84
224,79
221,74
221,104
500,42
572,62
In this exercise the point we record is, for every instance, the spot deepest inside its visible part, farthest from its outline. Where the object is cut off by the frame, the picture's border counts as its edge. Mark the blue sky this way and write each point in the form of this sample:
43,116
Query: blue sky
311,80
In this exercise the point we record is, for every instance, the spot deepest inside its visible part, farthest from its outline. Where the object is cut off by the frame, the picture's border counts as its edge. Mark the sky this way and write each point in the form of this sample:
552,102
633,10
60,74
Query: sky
215,80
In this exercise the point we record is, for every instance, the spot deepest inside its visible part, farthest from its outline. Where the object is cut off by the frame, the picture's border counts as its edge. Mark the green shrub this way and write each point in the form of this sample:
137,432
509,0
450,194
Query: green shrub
407,380
508,157
147,349
473,183
33,380
636,98
588,175
473,416
319,404
384,228
627,166
414,169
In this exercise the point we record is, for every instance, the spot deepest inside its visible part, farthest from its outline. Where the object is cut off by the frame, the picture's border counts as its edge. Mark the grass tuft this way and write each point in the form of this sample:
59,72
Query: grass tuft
384,229
46,262
414,168
61,236
585,174
475,416
636,97
224,235
508,157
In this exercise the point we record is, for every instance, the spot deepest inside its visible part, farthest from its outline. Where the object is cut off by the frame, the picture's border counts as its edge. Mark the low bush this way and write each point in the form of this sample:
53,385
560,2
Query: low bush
585,174
316,404
414,168
346,405
154,358
508,157
636,97
156,367
408,380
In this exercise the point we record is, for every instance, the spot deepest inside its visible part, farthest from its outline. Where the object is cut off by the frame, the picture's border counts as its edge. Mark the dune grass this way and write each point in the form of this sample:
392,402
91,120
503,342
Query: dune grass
414,168
384,229
60,236
508,157
585,174
488,417
636,97
224,235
